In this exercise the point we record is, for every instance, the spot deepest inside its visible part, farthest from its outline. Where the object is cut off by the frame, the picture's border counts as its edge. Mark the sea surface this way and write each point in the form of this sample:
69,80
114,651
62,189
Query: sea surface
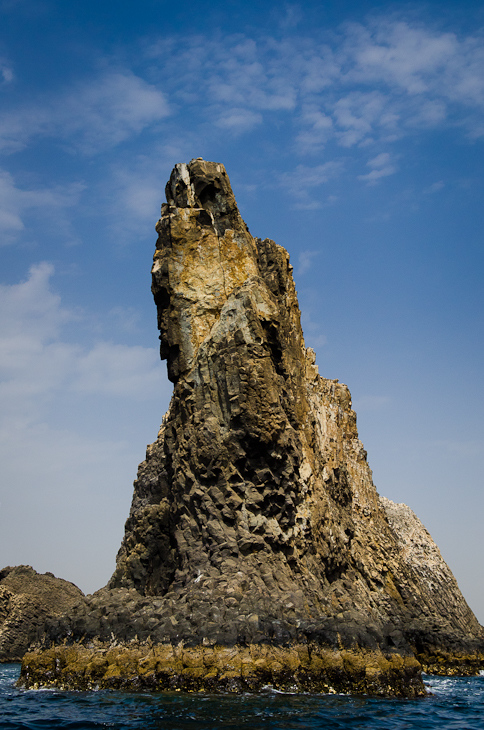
455,704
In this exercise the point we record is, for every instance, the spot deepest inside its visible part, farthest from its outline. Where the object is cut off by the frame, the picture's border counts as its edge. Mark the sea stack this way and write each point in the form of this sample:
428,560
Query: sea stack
257,550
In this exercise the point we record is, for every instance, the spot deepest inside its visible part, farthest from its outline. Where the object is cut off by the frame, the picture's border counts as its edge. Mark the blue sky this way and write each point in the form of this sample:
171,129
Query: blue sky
353,135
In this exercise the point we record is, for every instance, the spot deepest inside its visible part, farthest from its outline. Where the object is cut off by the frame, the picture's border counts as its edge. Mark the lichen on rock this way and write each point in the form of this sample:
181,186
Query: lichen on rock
255,521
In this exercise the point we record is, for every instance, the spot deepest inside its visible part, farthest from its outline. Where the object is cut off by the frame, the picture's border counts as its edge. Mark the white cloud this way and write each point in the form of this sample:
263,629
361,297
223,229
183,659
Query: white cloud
136,192
91,116
399,54
6,72
38,367
111,110
318,129
120,370
435,187
313,336
305,261
302,183
367,82
433,77
292,16
133,192
430,114
30,308
16,203
239,120
248,77
314,176
361,115
381,166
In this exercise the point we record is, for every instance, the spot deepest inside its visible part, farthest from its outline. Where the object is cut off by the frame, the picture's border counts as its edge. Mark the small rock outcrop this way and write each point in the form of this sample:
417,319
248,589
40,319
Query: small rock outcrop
255,521
27,600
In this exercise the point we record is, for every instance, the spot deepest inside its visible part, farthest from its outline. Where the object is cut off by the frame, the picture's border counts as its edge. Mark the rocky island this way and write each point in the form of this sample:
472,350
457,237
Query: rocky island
257,550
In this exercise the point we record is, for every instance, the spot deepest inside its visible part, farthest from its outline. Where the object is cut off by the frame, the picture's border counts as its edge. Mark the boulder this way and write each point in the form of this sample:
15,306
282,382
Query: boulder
27,600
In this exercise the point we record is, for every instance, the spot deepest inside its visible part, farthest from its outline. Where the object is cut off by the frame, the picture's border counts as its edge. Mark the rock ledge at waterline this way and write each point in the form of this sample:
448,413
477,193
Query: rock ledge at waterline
257,550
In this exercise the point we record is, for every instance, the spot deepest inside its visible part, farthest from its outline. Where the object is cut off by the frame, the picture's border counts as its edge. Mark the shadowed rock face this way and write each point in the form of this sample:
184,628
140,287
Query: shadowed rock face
254,518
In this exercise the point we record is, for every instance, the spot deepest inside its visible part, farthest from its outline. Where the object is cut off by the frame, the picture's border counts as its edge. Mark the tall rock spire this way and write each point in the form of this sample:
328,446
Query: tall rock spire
257,497
255,521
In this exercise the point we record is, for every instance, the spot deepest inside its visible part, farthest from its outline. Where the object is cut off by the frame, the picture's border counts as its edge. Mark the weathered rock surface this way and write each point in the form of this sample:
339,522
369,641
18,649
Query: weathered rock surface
27,600
301,667
255,520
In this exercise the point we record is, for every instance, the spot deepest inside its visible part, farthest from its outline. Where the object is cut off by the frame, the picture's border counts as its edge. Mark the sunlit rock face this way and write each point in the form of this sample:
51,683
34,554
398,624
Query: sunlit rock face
256,532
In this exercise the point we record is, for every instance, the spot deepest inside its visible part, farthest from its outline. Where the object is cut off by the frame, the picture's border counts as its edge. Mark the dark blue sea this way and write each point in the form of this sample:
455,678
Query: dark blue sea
455,704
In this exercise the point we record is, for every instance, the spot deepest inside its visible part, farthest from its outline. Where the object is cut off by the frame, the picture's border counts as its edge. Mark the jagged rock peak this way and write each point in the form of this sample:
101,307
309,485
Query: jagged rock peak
204,251
205,186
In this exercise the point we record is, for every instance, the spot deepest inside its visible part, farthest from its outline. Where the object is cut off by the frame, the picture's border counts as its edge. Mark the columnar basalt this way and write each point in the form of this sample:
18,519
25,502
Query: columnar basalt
255,520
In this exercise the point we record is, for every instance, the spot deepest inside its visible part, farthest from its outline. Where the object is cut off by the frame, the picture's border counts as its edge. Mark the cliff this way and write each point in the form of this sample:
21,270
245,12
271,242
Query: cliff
255,522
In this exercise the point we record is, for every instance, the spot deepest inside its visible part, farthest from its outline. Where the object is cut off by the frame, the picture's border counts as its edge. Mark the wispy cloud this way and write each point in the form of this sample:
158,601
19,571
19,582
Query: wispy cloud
130,193
6,72
305,261
380,166
91,116
364,84
38,363
291,16
373,82
304,182
436,187
313,335
399,54
239,120
17,203
318,128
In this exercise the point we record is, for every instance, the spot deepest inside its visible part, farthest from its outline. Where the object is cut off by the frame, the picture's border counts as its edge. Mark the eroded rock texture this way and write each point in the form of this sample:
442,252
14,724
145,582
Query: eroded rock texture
254,518
27,600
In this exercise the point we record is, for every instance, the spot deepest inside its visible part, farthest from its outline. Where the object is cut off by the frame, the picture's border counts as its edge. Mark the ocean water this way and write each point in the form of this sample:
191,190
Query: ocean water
455,704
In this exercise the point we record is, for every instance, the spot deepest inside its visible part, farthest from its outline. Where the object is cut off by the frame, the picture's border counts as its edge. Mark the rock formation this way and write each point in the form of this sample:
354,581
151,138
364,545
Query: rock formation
255,523
27,600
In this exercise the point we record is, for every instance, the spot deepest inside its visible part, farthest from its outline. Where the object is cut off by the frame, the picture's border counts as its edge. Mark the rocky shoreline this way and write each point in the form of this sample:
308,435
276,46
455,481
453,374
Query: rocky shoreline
299,668
307,667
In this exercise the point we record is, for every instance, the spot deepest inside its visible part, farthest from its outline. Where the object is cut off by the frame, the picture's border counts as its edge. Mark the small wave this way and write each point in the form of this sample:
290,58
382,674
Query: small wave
273,690
455,702
51,690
